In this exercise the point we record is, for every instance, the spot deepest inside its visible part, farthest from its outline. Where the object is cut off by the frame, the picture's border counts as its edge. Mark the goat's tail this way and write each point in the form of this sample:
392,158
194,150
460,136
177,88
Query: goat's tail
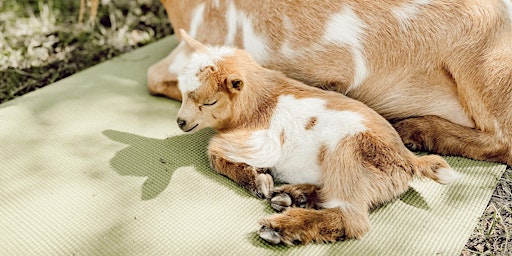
436,168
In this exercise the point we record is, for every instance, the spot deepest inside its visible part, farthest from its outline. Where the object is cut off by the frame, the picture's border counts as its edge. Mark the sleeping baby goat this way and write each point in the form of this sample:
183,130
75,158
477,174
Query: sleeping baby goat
339,157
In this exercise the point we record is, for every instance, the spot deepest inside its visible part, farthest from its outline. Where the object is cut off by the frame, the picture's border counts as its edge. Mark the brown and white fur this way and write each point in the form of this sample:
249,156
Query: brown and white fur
440,70
339,157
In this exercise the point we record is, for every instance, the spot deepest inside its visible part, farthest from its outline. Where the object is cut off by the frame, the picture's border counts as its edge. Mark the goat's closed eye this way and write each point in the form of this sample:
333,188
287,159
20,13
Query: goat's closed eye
210,104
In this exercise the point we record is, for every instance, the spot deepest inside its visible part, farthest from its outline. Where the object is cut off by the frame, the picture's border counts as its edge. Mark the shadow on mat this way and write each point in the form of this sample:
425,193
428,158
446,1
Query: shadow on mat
414,199
157,159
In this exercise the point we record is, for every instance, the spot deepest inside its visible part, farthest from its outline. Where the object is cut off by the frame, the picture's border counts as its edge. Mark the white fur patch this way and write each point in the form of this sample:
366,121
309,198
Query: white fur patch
187,80
296,161
286,49
498,131
182,57
231,20
346,28
197,20
180,60
508,4
343,205
407,11
253,43
216,4
448,175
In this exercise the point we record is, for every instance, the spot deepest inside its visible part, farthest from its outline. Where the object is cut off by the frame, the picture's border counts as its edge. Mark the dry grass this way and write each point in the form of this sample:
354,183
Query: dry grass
492,235
42,42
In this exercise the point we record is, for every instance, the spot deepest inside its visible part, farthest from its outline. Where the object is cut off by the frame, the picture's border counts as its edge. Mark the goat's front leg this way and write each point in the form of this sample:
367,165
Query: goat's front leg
258,181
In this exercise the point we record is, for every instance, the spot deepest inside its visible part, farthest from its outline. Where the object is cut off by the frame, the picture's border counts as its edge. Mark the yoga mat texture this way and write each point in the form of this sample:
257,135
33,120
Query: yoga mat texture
94,165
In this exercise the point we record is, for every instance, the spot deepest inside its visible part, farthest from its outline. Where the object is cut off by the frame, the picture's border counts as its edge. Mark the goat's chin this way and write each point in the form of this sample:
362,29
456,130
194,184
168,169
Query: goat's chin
192,128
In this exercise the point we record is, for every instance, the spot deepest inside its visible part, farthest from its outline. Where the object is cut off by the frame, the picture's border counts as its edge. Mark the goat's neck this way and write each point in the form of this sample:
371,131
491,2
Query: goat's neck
256,102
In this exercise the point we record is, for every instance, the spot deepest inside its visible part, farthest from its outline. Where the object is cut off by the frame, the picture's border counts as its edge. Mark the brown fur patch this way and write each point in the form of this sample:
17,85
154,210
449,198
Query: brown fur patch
322,153
311,123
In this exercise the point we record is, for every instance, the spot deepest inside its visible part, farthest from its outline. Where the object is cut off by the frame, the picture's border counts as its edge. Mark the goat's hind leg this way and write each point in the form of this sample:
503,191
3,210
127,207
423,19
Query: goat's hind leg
302,226
161,81
438,135
484,87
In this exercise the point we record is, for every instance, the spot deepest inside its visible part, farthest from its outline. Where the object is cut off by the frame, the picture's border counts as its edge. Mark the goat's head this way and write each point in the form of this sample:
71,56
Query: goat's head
209,84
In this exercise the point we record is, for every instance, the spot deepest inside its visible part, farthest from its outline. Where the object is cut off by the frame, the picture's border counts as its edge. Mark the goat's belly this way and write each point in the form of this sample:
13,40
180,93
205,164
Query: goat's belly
298,169
397,97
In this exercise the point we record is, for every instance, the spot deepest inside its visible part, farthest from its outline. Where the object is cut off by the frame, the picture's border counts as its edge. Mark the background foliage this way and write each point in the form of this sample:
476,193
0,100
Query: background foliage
42,41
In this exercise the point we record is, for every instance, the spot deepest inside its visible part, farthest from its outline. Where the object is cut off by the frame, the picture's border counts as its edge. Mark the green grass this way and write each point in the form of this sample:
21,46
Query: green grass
42,42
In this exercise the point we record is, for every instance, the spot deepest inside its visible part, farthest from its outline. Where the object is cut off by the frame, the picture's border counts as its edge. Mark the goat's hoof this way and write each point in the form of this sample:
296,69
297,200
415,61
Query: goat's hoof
411,134
269,235
280,202
288,196
264,184
411,146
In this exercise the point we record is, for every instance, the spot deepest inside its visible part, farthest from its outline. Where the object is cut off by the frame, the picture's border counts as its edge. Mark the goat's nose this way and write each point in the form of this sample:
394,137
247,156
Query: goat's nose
181,123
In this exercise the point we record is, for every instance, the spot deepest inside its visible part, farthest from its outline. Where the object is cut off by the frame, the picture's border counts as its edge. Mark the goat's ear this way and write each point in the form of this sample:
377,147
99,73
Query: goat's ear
210,68
194,44
234,83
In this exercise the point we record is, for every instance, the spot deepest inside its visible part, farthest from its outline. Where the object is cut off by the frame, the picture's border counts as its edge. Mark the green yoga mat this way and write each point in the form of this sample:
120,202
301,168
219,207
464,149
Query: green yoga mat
94,165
